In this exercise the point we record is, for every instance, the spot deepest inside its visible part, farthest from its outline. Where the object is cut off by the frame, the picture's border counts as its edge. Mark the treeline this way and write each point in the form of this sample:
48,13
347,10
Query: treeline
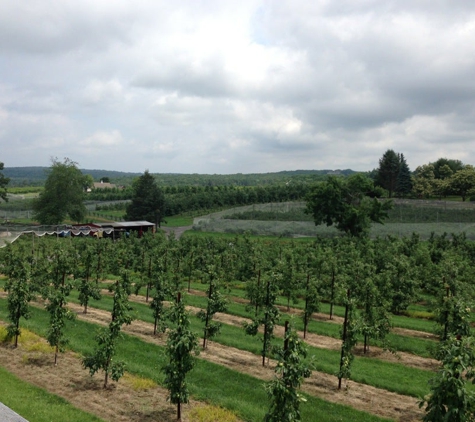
440,179
180,199
205,198
36,176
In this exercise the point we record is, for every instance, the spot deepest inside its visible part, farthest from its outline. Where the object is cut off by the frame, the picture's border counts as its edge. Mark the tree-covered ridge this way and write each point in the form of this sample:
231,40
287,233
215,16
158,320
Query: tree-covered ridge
36,176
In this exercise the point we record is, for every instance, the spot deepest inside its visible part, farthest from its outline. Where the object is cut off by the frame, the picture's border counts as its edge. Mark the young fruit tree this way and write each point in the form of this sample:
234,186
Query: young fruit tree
103,356
312,303
160,291
56,293
19,292
181,344
349,340
86,286
289,374
216,303
450,399
267,316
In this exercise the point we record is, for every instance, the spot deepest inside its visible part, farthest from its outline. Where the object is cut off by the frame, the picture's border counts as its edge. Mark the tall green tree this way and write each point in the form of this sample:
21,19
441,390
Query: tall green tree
388,171
3,184
63,195
347,204
404,178
440,171
148,201
423,182
463,182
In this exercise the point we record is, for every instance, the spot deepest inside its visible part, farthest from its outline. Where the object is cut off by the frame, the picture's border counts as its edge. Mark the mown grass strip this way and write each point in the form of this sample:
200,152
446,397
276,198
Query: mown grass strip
36,404
420,324
390,376
417,346
213,383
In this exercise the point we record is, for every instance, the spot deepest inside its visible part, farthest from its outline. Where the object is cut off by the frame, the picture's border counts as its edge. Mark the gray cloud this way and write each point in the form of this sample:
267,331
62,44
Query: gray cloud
220,87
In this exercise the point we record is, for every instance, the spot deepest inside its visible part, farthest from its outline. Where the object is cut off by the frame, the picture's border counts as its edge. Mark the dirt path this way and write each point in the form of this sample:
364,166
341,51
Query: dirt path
178,231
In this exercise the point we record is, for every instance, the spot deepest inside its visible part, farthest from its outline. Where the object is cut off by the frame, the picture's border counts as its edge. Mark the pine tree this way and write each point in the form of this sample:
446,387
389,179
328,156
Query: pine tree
388,171
404,180
148,202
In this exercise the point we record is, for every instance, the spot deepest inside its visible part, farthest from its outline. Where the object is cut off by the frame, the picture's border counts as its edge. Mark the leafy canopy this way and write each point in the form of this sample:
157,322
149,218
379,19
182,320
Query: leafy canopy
63,195
348,204
3,184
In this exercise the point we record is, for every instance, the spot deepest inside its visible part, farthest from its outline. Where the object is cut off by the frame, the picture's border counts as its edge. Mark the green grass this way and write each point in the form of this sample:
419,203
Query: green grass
415,323
36,404
390,376
178,221
213,383
417,346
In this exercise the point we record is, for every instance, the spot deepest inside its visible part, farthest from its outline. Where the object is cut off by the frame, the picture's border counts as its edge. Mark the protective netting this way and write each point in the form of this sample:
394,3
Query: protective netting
217,222
10,233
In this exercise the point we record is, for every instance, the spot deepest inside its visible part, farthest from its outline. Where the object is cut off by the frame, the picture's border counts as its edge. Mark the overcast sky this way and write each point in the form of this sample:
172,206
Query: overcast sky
249,86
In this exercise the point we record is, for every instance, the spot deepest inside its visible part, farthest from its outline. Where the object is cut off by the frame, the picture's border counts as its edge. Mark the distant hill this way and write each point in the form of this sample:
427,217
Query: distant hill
36,176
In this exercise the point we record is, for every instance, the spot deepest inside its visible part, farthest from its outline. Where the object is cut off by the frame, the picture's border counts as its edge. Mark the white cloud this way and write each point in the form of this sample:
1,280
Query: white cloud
236,86
103,139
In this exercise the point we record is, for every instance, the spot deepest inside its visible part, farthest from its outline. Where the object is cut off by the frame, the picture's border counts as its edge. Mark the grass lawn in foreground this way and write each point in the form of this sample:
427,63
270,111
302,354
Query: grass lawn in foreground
35,404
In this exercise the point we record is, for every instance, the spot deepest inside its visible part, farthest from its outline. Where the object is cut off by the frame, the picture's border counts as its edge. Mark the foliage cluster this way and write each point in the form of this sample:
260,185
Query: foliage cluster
3,184
63,195
349,204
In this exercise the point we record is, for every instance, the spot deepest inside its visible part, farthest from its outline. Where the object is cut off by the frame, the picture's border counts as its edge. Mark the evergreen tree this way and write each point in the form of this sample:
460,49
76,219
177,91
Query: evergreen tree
148,201
404,179
388,171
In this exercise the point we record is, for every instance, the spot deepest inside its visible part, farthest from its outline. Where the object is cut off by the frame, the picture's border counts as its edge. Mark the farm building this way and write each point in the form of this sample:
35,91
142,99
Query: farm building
115,230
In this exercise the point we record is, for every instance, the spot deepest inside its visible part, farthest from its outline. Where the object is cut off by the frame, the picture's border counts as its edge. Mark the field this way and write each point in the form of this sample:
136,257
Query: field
228,375
228,379
231,360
